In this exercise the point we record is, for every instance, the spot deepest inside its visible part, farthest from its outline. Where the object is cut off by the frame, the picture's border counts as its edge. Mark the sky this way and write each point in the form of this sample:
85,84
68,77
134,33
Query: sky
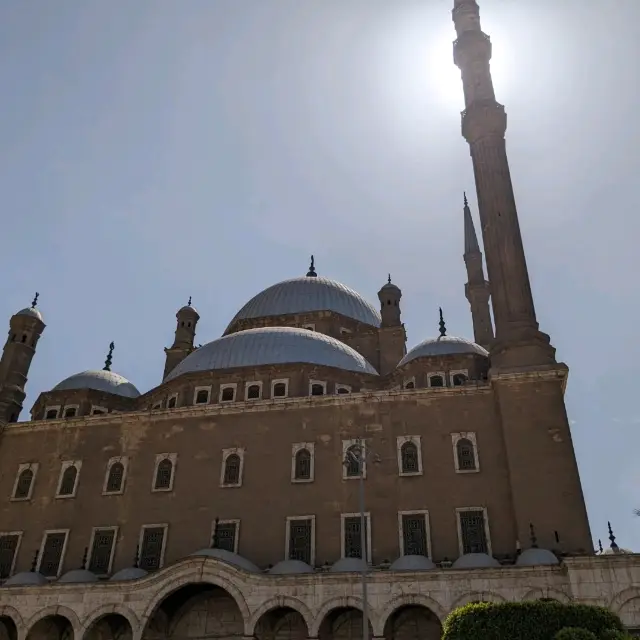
207,148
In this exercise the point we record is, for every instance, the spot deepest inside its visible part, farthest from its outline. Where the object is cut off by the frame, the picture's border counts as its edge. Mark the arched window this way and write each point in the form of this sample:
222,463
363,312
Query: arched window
409,458
70,412
172,402
68,483
232,469
317,389
23,486
459,379
303,465
51,414
352,461
342,390
116,476
410,385
466,455
436,381
253,392
202,397
279,390
163,474
228,394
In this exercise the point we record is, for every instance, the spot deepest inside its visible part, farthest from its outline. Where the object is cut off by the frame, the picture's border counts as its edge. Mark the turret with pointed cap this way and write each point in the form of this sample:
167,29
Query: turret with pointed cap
183,343
392,336
477,288
25,329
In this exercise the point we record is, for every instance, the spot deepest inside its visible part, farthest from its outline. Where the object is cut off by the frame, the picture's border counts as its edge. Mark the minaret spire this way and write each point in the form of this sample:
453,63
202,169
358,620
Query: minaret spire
109,360
484,122
312,269
441,324
476,290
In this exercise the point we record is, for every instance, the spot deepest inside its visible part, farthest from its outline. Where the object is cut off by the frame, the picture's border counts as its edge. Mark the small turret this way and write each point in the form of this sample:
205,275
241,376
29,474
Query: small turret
25,329
389,297
393,338
183,344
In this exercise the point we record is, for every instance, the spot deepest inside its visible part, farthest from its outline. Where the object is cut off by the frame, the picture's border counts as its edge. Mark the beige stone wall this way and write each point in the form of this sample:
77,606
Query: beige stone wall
199,597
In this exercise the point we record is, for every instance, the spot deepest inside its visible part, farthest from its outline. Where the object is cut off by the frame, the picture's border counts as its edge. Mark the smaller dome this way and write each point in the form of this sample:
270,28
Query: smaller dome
475,561
130,573
106,381
616,552
26,579
229,557
349,565
289,567
535,556
412,563
188,309
77,576
32,312
443,346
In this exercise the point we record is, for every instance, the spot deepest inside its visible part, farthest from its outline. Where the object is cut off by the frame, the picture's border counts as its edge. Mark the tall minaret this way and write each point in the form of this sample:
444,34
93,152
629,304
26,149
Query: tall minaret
477,288
187,319
518,341
25,329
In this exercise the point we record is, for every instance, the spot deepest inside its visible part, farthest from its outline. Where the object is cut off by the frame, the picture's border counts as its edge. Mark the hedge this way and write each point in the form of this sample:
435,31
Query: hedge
536,620
614,634
575,633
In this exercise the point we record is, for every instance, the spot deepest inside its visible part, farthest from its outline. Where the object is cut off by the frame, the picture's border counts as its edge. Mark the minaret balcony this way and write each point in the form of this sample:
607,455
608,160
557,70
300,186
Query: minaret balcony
470,47
483,120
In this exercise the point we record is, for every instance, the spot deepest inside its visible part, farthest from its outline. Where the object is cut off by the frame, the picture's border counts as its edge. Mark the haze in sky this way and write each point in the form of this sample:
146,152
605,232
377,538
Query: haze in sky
153,150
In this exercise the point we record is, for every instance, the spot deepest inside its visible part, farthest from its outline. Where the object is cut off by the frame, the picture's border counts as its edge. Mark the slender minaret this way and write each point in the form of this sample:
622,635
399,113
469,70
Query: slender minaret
518,340
25,329
182,346
392,337
477,288
527,381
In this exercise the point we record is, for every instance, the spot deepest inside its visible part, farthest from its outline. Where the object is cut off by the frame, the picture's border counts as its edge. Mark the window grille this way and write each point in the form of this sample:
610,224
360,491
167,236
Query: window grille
232,469
474,535
317,390
300,532
353,461
151,552
68,484
352,537
409,457
116,476
303,465
202,397
8,546
414,535
436,381
103,541
52,554
23,486
279,390
253,392
163,474
226,535
466,455
228,394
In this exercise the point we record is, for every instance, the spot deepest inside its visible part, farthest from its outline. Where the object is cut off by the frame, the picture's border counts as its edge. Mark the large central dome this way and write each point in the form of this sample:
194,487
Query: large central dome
272,345
305,294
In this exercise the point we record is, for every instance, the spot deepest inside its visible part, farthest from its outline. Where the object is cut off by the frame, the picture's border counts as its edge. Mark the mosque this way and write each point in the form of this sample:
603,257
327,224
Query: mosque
306,475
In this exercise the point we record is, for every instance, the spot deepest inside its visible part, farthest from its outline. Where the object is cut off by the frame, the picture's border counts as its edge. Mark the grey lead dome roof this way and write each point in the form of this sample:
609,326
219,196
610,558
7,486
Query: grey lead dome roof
442,346
301,295
272,345
30,311
102,380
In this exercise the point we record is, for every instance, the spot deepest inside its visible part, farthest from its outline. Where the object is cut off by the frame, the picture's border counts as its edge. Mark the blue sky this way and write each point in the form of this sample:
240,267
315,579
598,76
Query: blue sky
206,148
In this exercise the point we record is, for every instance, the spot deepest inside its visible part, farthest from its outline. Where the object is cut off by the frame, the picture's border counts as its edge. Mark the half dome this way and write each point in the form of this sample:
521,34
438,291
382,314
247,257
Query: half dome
307,294
475,561
288,567
351,565
105,381
443,346
229,557
76,576
129,573
31,312
536,556
26,579
412,563
272,345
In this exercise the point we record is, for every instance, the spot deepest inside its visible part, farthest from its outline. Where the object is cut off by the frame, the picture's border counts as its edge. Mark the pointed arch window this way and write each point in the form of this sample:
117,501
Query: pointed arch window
409,457
116,477
353,460
232,469
279,389
466,455
24,484
68,481
303,465
164,475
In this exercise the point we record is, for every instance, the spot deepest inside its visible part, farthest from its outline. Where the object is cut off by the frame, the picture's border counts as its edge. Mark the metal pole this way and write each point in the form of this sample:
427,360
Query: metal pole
363,546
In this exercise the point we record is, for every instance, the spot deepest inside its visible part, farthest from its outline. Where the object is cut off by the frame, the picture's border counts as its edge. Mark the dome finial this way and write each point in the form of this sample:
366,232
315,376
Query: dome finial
109,360
312,269
189,303
532,536
614,547
84,558
35,300
443,328
214,539
389,279
600,549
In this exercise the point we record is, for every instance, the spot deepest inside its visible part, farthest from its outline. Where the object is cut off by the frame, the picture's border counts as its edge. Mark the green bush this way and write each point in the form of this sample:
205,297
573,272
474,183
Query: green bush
538,620
614,634
575,633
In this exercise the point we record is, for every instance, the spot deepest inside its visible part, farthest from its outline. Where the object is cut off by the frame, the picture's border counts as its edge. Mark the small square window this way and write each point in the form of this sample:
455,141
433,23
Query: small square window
201,395
279,388
228,392
437,379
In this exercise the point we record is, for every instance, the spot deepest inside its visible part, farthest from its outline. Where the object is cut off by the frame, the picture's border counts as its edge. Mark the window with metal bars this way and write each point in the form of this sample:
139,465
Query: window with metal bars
172,402
409,458
253,392
352,461
303,465
8,546
151,548
466,455
68,482
232,469
436,381
414,535
474,534
226,535
300,533
52,554
101,551
228,394
279,390
115,478
352,537
163,474
23,486
202,397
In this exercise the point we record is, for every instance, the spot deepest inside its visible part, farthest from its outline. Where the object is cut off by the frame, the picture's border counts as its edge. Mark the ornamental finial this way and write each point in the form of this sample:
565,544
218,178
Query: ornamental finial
312,269
189,303
614,547
443,328
109,360
35,300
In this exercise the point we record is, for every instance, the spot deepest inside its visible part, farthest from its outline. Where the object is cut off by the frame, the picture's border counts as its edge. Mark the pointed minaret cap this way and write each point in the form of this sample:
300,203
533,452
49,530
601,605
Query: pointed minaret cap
470,238
312,269
109,360
614,547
